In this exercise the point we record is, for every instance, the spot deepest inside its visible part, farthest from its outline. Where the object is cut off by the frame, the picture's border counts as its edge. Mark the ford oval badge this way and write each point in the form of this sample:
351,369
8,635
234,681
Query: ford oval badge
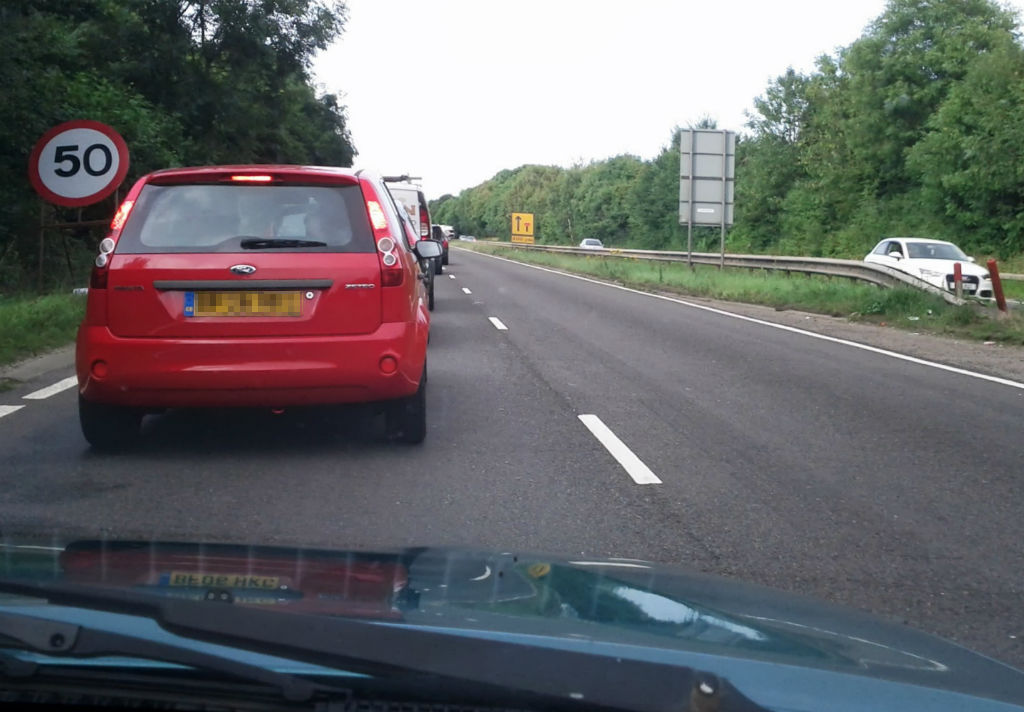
243,269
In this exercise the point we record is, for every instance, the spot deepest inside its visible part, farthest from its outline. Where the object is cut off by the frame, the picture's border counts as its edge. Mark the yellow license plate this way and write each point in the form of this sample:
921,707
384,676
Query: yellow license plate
192,579
243,304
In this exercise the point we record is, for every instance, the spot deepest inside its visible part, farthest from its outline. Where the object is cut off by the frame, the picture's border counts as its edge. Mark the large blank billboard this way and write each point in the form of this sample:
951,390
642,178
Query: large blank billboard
707,172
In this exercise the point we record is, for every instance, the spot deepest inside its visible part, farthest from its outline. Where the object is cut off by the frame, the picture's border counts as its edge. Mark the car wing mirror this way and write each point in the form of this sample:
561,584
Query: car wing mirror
427,249
896,255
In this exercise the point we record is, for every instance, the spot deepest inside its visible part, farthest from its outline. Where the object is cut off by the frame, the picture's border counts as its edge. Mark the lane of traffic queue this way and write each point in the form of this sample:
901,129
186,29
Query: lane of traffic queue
505,465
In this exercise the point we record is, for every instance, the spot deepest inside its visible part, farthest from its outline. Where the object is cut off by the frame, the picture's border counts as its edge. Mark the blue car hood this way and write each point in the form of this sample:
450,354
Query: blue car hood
784,651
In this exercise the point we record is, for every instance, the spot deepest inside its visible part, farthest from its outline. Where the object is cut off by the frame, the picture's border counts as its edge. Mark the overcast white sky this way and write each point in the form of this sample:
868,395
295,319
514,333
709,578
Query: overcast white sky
456,90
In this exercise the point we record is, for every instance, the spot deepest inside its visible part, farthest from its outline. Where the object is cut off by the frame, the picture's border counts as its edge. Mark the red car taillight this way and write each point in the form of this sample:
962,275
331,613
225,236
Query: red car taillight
392,272
424,225
98,278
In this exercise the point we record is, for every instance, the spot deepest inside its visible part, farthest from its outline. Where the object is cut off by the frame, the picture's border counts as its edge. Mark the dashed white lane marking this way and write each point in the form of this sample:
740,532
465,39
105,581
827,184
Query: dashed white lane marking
497,323
465,290
8,409
53,390
773,325
632,464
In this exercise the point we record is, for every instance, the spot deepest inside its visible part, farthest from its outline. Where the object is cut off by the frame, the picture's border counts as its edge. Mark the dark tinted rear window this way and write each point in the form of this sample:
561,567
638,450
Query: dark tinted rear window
217,218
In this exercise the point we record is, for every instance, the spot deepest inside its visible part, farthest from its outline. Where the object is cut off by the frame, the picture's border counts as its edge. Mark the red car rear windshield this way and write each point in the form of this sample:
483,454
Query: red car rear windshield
238,218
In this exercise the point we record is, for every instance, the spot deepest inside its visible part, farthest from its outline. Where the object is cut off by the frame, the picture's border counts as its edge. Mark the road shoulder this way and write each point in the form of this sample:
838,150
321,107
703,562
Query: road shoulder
35,366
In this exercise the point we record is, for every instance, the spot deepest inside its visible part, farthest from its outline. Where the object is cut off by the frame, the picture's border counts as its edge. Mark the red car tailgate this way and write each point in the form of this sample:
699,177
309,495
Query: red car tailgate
164,295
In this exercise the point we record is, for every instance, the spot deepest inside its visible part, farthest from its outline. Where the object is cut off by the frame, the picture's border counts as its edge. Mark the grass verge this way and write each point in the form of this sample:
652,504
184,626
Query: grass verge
904,308
30,325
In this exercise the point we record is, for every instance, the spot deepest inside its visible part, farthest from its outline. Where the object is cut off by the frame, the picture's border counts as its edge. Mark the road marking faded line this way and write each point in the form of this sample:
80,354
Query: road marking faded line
451,276
497,323
8,409
610,563
465,290
53,390
632,464
782,327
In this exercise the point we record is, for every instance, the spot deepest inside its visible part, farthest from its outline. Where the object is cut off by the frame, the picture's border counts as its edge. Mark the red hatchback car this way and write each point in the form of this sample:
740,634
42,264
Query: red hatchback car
258,286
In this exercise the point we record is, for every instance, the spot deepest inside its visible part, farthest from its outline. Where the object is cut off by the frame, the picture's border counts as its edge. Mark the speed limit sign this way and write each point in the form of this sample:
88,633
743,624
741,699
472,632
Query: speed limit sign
78,163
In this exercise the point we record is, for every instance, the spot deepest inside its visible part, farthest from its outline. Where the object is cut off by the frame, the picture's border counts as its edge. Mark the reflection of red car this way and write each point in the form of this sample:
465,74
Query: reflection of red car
307,581
265,286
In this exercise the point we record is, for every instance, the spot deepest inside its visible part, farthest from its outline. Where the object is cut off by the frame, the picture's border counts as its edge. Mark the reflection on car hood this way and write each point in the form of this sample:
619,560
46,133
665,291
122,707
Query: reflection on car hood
639,608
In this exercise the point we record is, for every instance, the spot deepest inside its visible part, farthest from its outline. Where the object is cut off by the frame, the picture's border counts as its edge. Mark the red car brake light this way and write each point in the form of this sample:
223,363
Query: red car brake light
121,215
377,219
252,179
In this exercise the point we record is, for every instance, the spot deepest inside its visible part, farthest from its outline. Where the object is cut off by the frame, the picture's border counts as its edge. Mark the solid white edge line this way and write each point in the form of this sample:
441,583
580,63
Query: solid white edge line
632,464
465,290
53,390
8,409
773,325
497,323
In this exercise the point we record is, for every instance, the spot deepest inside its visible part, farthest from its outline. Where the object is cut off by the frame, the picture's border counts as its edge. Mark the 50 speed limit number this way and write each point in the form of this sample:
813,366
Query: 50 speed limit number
78,163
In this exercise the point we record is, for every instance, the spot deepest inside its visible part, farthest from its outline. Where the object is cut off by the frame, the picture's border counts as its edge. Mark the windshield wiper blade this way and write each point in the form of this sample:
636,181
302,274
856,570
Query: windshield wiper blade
386,650
263,243
59,639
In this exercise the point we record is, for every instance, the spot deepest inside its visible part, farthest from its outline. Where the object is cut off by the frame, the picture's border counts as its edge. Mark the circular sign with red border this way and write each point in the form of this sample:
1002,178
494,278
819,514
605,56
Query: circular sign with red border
78,163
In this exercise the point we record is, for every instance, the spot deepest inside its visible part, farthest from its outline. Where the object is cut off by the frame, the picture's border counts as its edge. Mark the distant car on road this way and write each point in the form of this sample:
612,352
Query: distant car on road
467,238
439,235
591,243
449,234
262,286
932,261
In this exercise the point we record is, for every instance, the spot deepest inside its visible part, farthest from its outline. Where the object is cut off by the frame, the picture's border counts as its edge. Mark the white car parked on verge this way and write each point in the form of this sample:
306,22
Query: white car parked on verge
932,261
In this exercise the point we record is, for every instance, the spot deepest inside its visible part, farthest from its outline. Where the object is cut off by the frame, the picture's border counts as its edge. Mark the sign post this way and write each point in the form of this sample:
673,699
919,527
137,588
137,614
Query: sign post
522,228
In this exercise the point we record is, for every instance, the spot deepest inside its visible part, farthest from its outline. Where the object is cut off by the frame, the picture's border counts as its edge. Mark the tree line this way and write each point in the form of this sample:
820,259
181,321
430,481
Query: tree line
185,82
916,128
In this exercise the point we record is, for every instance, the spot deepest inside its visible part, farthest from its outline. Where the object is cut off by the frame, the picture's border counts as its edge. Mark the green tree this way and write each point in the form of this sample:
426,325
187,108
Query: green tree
902,69
184,81
971,164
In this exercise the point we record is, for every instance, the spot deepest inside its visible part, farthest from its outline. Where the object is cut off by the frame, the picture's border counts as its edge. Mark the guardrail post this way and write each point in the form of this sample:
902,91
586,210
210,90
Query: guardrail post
997,285
958,280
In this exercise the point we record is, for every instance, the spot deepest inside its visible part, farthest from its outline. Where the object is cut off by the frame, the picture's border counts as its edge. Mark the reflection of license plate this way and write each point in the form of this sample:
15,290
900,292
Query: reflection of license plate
187,578
242,304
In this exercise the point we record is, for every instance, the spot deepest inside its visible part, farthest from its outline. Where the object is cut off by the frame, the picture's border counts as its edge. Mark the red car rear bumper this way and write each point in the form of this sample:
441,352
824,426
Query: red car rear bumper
270,372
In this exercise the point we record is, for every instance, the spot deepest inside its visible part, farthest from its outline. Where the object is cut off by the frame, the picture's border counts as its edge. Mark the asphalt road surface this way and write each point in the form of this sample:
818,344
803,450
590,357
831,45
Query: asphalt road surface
735,448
